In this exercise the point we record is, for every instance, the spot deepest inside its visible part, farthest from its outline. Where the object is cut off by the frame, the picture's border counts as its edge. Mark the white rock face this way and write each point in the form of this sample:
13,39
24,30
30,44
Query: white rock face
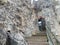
10,18
3,1
17,39
17,15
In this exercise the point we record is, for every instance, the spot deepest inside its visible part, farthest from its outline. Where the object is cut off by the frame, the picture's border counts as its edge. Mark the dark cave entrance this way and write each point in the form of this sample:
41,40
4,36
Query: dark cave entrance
42,24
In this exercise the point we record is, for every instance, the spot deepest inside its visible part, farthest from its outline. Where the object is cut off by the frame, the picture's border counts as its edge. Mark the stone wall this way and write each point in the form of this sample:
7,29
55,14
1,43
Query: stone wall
19,15
16,16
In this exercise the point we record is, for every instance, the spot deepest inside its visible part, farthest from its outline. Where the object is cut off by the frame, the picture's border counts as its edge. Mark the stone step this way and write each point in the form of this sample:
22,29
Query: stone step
41,43
39,39
42,33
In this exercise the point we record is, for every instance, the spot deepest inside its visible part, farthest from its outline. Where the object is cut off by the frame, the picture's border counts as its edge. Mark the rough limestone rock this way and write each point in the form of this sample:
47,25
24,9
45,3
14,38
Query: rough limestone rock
3,1
12,38
16,39
12,15
15,16
2,37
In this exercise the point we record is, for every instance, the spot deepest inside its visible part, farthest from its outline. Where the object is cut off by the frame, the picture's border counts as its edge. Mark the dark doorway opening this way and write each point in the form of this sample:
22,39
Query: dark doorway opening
42,24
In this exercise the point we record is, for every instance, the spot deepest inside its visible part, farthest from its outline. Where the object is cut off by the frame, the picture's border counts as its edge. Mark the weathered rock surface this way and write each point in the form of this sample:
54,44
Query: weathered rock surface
16,39
13,17
16,15
2,37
